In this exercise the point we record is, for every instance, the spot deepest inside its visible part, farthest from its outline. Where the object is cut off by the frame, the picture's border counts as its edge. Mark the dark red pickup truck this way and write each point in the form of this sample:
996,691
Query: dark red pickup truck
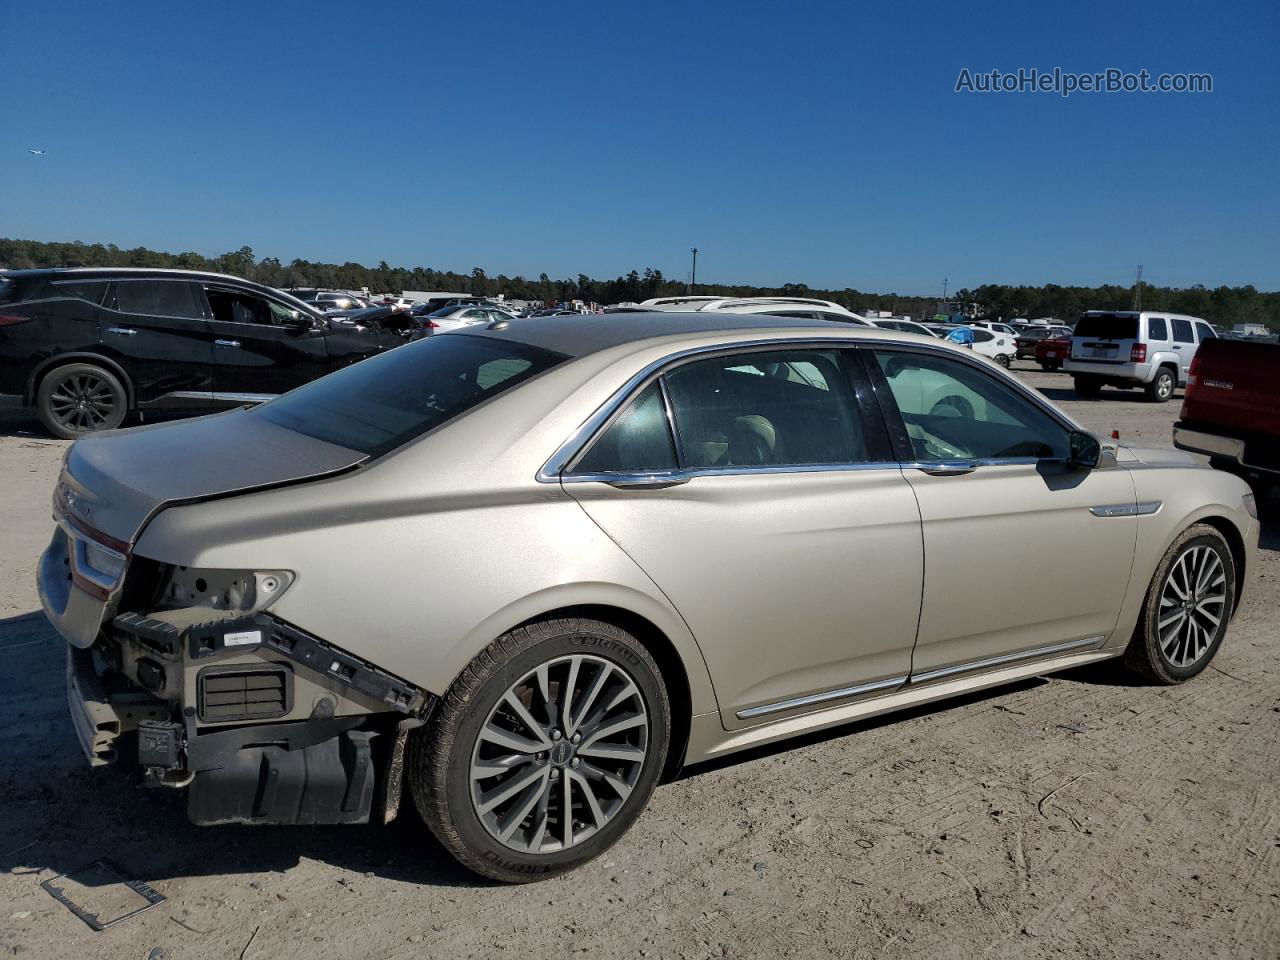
1231,410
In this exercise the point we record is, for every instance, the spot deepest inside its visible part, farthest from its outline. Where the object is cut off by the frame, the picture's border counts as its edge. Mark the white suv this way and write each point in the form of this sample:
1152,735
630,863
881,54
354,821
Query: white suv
1149,349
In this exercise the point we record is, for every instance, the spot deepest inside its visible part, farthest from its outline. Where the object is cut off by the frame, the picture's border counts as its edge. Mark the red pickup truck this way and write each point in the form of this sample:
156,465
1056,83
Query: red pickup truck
1231,410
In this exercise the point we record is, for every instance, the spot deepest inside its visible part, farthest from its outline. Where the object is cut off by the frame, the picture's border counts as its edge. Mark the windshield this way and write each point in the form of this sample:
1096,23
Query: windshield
1110,326
382,403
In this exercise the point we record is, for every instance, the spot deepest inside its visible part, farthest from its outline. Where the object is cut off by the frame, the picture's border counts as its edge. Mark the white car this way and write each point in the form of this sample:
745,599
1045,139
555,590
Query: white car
902,326
460,317
999,347
1003,328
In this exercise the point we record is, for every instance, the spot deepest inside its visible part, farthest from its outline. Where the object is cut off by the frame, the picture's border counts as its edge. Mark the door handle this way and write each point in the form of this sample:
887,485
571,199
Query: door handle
947,468
226,343
1177,346
123,331
650,481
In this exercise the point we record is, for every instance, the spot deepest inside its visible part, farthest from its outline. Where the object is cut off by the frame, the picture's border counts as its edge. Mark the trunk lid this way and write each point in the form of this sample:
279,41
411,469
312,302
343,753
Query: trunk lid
114,482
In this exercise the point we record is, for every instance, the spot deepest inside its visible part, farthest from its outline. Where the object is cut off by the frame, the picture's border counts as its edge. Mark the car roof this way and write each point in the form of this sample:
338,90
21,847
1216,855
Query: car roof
573,337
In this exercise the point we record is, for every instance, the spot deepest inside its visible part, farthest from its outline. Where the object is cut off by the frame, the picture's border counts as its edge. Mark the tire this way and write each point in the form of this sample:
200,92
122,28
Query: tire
1161,387
80,398
1051,367
455,772
1003,360
1170,652
1087,387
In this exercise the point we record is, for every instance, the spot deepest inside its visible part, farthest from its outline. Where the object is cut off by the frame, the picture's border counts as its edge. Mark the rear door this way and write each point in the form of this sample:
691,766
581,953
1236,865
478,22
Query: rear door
156,330
1184,345
776,522
259,351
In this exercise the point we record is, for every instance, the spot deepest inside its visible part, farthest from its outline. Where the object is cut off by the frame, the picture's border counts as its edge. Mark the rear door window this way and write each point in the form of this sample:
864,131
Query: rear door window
1157,329
1182,331
1204,331
782,408
159,298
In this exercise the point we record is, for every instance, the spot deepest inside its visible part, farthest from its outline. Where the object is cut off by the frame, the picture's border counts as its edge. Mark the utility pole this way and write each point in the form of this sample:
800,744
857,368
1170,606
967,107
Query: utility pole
1137,290
693,274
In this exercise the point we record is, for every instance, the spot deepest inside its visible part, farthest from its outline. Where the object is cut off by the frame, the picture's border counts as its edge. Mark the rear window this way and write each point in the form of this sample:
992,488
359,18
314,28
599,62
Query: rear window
384,402
1108,326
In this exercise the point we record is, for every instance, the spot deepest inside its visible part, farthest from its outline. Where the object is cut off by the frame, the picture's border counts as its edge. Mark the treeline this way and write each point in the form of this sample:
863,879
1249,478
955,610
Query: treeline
1222,305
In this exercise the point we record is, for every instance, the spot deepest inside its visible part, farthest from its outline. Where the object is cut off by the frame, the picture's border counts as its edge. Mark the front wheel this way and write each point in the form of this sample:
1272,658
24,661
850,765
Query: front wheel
544,751
1187,608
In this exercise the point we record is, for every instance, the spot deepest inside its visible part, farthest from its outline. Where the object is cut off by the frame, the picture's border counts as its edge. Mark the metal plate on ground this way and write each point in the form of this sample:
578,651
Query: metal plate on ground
101,888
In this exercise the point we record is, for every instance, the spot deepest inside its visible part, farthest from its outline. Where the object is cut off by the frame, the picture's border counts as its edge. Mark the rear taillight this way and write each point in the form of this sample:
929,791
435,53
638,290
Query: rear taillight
1189,391
9,319
431,325
1138,354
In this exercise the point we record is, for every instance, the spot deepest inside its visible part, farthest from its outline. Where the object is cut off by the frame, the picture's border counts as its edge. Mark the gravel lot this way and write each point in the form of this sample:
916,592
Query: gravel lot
1076,815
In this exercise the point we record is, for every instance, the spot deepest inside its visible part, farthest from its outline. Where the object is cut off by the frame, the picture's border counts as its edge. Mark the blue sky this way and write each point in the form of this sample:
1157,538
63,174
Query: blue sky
820,143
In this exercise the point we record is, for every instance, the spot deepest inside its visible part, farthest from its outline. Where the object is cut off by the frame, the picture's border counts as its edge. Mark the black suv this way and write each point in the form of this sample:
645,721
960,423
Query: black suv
87,346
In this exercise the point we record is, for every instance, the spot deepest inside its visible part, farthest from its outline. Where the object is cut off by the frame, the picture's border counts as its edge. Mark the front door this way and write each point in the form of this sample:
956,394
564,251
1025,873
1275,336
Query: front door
259,350
776,523
1025,555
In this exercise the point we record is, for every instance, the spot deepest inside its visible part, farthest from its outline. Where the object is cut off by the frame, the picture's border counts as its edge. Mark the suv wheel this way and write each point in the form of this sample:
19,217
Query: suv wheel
544,751
1188,605
80,398
1003,360
1087,387
1160,389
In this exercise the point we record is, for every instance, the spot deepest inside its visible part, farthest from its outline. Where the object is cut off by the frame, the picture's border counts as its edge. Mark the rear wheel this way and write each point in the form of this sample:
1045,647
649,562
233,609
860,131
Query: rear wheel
544,751
1187,607
1160,389
1051,366
80,398
1087,387
1003,360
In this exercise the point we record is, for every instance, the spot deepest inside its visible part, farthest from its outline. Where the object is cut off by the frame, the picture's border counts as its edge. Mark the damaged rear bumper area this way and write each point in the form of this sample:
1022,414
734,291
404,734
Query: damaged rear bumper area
261,722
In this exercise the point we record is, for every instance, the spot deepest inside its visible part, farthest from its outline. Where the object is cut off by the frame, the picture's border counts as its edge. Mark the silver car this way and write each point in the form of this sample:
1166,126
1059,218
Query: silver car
529,570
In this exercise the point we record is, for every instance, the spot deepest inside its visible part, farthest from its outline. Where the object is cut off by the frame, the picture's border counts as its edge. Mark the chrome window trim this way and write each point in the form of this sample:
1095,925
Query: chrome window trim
827,696
745,470
988,662
554,469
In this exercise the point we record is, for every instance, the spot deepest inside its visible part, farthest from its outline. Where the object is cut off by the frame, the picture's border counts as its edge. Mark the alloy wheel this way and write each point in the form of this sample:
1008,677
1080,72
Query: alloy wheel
82,402
559,754
1164,388
1193,604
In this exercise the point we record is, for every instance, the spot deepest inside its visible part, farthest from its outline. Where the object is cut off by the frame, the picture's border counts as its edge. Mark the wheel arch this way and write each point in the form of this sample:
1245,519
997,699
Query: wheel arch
45,367
1235,541
675,672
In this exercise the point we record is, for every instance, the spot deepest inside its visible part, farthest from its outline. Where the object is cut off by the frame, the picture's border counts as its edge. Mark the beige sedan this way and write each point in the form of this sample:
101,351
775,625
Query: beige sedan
531,568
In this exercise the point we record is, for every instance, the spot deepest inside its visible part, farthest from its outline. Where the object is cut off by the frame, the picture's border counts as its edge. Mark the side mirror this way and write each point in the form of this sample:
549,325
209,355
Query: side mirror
1086,450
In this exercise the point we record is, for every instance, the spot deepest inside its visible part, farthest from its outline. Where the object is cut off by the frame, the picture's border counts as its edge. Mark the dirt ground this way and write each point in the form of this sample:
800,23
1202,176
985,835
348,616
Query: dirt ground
1077,815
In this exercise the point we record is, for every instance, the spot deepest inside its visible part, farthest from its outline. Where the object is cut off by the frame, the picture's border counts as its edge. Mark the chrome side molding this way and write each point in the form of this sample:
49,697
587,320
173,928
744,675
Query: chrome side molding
813,699
988,662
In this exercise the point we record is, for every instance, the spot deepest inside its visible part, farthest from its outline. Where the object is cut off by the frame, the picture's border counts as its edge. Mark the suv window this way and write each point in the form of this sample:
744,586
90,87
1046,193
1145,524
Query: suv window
1205,331
953,411
384,402
638,441
91,291
780,408
232,306
1157,329
159,298
1182,331
982,336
